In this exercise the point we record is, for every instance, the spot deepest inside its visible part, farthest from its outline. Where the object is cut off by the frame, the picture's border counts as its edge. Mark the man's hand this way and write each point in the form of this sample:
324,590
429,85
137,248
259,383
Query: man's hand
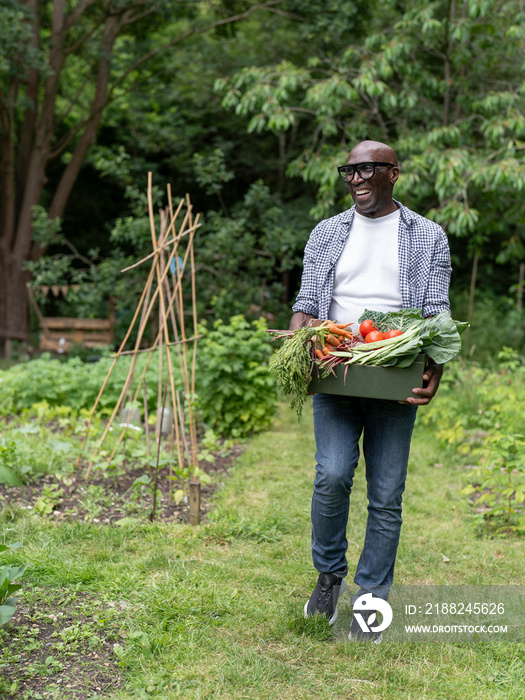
299,320
431,378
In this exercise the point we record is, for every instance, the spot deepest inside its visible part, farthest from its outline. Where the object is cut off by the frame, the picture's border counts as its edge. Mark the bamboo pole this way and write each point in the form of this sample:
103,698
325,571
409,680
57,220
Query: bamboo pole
146,424
167,292
195,502
127,383
106,380
161,275
156,483
144,319
156,252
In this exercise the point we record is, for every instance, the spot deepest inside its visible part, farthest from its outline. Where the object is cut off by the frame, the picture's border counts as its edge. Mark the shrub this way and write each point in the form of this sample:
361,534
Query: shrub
477,416
236,394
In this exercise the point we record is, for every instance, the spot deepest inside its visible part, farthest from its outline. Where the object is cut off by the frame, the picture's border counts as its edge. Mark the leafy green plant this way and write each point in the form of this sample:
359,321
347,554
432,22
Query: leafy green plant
501,483
67,383
236,392
473,401
14,466
9,574
48,500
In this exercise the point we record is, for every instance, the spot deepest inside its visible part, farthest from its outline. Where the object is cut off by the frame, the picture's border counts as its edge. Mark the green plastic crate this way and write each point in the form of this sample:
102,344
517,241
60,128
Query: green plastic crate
392,383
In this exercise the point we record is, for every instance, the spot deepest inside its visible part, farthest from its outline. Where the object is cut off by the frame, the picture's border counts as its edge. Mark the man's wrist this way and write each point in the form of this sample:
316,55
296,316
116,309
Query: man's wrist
300,319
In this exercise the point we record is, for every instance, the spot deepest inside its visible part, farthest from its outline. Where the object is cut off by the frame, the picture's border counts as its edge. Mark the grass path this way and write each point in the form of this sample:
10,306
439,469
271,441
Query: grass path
216,611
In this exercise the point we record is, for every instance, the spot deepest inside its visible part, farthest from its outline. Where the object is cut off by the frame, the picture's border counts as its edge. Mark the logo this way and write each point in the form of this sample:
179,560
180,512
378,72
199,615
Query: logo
369,603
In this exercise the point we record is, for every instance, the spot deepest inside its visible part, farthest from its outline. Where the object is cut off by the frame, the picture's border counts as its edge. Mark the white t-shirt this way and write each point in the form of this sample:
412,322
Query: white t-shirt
367,272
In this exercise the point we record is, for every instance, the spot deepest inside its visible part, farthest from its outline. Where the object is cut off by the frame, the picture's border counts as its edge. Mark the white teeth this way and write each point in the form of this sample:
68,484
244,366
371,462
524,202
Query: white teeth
362,191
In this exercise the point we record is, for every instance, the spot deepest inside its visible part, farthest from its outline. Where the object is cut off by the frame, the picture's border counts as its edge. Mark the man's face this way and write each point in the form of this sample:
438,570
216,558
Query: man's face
373,197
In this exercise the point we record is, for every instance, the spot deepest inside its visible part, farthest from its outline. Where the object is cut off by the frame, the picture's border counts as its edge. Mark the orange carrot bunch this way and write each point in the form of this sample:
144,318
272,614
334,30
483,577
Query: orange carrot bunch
335,337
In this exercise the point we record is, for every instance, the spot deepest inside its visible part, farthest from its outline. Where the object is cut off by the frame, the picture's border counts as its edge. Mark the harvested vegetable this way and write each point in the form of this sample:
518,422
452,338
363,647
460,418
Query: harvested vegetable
374,336
292,365
329,344
295,360
366,327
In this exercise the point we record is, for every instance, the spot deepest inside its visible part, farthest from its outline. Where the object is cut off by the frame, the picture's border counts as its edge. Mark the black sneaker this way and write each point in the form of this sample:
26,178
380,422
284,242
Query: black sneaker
324,598
356,634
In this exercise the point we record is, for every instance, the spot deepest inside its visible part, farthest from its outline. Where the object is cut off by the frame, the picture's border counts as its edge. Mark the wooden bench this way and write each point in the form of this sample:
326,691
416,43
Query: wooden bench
60,333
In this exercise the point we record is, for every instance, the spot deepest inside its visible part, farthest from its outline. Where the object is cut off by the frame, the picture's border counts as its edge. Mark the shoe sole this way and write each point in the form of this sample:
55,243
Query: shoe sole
334,616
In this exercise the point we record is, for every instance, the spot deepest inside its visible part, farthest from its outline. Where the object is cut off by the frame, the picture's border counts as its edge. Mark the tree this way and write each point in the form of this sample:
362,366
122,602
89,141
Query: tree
442,82
61,65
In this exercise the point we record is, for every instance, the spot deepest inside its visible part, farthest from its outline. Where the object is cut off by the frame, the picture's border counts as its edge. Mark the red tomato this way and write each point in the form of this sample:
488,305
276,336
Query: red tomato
374,336
366,327
393,333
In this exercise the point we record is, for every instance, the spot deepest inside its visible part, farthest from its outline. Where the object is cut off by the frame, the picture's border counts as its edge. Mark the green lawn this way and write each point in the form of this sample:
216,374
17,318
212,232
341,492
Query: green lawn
216,610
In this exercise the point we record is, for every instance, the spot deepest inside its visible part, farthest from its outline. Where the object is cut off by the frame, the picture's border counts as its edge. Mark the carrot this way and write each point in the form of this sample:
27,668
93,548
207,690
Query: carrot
325,351
333,340
339,331
319,353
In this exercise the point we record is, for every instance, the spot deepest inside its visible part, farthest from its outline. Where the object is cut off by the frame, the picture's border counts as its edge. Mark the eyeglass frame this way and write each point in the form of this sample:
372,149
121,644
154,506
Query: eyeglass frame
342,169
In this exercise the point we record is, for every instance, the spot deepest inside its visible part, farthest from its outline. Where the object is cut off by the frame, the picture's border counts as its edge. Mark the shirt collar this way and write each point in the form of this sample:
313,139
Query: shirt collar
348,216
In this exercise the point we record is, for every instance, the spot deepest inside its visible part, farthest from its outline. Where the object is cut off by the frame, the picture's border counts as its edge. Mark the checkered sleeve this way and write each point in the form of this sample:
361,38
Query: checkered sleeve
436,298
307,299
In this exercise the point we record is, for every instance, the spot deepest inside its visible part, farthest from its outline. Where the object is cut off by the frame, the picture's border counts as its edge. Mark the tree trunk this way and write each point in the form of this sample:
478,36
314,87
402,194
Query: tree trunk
27,149
13,302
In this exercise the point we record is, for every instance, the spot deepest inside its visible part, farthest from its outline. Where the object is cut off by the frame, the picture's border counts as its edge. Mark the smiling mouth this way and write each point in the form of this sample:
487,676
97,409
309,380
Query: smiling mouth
361,193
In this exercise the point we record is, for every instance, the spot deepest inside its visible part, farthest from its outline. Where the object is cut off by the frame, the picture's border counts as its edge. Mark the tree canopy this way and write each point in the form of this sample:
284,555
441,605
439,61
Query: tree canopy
250,107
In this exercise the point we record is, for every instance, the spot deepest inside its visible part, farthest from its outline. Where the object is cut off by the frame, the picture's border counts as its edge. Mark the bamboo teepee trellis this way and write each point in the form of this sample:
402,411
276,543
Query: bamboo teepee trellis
172,261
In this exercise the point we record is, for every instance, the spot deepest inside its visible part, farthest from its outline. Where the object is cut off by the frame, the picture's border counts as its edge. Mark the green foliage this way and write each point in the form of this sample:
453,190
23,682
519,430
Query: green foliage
9,574
243,259
495,323
292,365
48,499
211,171
500,482
477,416
412,80
28,449
69,382
236,393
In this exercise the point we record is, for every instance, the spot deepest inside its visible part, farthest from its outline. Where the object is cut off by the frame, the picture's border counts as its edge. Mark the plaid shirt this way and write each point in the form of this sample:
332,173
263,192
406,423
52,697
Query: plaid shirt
424,264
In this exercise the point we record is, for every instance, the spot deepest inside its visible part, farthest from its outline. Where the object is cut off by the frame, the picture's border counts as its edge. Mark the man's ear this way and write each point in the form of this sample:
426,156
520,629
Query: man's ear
394,175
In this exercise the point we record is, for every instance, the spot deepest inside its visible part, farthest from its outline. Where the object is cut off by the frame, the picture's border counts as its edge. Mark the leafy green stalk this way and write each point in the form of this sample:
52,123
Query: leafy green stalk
8,574
439,337
292,365
400,351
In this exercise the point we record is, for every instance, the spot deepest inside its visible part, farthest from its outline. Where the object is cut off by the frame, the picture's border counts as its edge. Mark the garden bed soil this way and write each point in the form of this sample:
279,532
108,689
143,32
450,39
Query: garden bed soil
108,499
39,659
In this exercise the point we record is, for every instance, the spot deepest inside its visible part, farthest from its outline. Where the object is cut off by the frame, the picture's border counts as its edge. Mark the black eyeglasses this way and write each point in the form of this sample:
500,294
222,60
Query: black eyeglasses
364,170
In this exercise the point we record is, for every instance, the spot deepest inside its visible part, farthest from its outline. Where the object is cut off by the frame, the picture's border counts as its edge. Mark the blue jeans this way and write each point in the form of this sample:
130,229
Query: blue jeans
387,427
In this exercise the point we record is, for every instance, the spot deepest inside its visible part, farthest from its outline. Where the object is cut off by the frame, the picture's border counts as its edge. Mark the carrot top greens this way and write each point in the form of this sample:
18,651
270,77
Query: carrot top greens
292,365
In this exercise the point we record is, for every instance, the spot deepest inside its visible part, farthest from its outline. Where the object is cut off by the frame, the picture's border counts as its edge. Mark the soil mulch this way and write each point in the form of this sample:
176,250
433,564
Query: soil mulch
56,647
108,500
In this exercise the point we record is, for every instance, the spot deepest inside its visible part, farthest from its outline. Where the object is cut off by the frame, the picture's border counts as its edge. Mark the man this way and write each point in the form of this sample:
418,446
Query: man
381,256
